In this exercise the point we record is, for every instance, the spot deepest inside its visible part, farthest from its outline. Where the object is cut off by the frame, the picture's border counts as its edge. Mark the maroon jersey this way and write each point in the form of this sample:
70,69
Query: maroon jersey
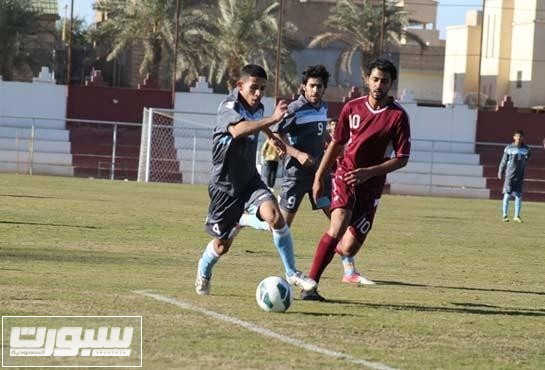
370,136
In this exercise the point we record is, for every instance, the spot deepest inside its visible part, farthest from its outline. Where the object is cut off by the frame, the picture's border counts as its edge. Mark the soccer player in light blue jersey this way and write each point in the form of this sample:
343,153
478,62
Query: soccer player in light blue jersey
235,184
512,165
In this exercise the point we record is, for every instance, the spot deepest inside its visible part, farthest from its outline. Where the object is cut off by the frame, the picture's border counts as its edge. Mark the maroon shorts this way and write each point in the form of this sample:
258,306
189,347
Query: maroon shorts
362,202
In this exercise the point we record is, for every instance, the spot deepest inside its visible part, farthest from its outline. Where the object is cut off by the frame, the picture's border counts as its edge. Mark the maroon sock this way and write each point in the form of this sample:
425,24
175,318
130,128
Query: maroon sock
323,256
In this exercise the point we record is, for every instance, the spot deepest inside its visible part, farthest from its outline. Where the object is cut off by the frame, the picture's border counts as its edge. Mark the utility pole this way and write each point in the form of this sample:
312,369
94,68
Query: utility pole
175,62
381,50
278,50
69,51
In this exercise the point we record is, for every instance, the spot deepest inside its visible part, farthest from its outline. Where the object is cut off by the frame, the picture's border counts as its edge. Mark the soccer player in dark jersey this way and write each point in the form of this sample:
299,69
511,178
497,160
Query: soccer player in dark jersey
304,130
235,183
512,165
369,129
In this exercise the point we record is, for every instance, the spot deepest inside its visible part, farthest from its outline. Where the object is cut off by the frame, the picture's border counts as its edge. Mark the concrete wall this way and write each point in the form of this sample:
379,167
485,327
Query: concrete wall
41,98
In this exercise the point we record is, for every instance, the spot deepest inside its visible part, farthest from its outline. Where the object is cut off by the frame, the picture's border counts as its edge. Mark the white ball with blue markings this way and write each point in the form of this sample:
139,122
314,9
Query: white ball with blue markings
274,294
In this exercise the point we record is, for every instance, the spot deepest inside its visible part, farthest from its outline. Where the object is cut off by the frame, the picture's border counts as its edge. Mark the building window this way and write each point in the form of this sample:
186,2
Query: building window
519,79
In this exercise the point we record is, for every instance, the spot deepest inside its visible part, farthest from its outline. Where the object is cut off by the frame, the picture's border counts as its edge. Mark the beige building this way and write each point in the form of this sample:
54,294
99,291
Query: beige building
512,54
420,70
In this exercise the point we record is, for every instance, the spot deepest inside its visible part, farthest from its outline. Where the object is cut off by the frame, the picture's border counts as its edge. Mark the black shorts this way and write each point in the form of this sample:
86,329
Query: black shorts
225,210
293,191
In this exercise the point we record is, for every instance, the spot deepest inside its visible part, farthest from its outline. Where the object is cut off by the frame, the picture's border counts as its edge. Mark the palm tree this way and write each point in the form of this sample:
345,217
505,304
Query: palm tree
243,35
16,21
358,28
152,23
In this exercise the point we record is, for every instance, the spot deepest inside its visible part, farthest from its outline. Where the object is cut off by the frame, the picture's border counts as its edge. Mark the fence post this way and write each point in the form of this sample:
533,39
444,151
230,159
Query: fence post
431,165
194,157
31,147
148,146
17,148
114,144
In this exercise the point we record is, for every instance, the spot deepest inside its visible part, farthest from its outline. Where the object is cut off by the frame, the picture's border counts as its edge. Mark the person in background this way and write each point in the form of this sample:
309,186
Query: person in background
512,165
269,168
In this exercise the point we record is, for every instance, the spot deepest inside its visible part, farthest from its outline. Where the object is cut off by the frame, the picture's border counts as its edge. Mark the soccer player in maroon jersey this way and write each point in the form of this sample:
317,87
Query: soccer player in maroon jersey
370,128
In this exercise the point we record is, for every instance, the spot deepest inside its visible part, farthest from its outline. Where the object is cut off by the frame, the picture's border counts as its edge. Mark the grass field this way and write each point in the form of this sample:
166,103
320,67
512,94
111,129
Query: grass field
458,288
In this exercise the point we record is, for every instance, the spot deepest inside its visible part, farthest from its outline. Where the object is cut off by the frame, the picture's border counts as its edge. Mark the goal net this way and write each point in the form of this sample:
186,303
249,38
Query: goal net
175,146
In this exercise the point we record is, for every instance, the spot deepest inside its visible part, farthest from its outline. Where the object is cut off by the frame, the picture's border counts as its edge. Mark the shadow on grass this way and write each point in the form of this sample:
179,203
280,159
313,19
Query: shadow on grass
42,224
390,282
468,309
91,257
26,196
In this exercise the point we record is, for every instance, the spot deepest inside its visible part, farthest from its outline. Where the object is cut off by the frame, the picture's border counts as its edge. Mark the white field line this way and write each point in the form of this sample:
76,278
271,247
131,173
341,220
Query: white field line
265,332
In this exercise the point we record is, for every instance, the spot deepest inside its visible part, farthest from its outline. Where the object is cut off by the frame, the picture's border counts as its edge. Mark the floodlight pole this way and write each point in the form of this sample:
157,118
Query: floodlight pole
278,50
175,62
69,51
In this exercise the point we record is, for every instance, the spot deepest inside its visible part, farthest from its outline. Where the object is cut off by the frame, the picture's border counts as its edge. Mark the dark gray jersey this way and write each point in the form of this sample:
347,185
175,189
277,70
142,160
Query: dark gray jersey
512,167
305,127
233,160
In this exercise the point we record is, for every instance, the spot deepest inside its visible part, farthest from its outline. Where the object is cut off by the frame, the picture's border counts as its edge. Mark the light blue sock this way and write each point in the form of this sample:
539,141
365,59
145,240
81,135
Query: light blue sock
505,204
252,221
208,260
518,205
284,244
348,265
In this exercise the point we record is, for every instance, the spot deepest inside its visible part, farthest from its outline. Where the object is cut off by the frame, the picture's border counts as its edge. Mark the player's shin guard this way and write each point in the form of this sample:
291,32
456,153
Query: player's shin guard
284,244
323,256
349,265
208,260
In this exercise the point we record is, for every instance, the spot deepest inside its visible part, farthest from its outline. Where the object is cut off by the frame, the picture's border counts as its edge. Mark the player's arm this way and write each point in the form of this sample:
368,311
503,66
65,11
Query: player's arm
503,164
333,150
246,128
360,175
302,157
276,141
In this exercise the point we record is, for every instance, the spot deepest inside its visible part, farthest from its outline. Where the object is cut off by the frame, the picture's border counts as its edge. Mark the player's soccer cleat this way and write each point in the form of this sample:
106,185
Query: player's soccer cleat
357,278
202,285
301,280
505,219
517,219
312,295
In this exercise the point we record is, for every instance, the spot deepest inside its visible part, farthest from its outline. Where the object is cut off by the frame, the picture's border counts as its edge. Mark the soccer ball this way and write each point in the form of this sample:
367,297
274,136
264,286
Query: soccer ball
274,294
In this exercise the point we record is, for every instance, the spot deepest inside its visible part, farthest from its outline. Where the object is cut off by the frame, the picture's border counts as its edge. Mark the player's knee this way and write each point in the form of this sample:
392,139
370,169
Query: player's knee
270,213
222,247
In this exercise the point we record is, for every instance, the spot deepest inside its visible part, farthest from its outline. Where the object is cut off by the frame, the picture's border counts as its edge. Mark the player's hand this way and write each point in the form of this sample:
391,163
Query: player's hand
280,110
317,187
358,176
305,159
278,145
499,177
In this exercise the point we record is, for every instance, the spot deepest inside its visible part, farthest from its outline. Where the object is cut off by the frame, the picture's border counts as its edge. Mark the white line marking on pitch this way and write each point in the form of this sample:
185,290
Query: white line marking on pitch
265,332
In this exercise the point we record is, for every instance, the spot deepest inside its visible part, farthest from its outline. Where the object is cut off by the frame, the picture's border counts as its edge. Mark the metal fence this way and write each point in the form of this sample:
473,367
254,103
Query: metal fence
59,146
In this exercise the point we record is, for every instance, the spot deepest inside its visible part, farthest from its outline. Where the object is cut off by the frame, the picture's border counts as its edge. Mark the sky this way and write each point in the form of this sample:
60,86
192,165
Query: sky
450,12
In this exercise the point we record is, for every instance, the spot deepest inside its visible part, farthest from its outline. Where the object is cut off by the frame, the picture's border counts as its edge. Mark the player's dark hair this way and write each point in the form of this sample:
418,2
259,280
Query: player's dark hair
383,65
253,70
519,132
317,71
